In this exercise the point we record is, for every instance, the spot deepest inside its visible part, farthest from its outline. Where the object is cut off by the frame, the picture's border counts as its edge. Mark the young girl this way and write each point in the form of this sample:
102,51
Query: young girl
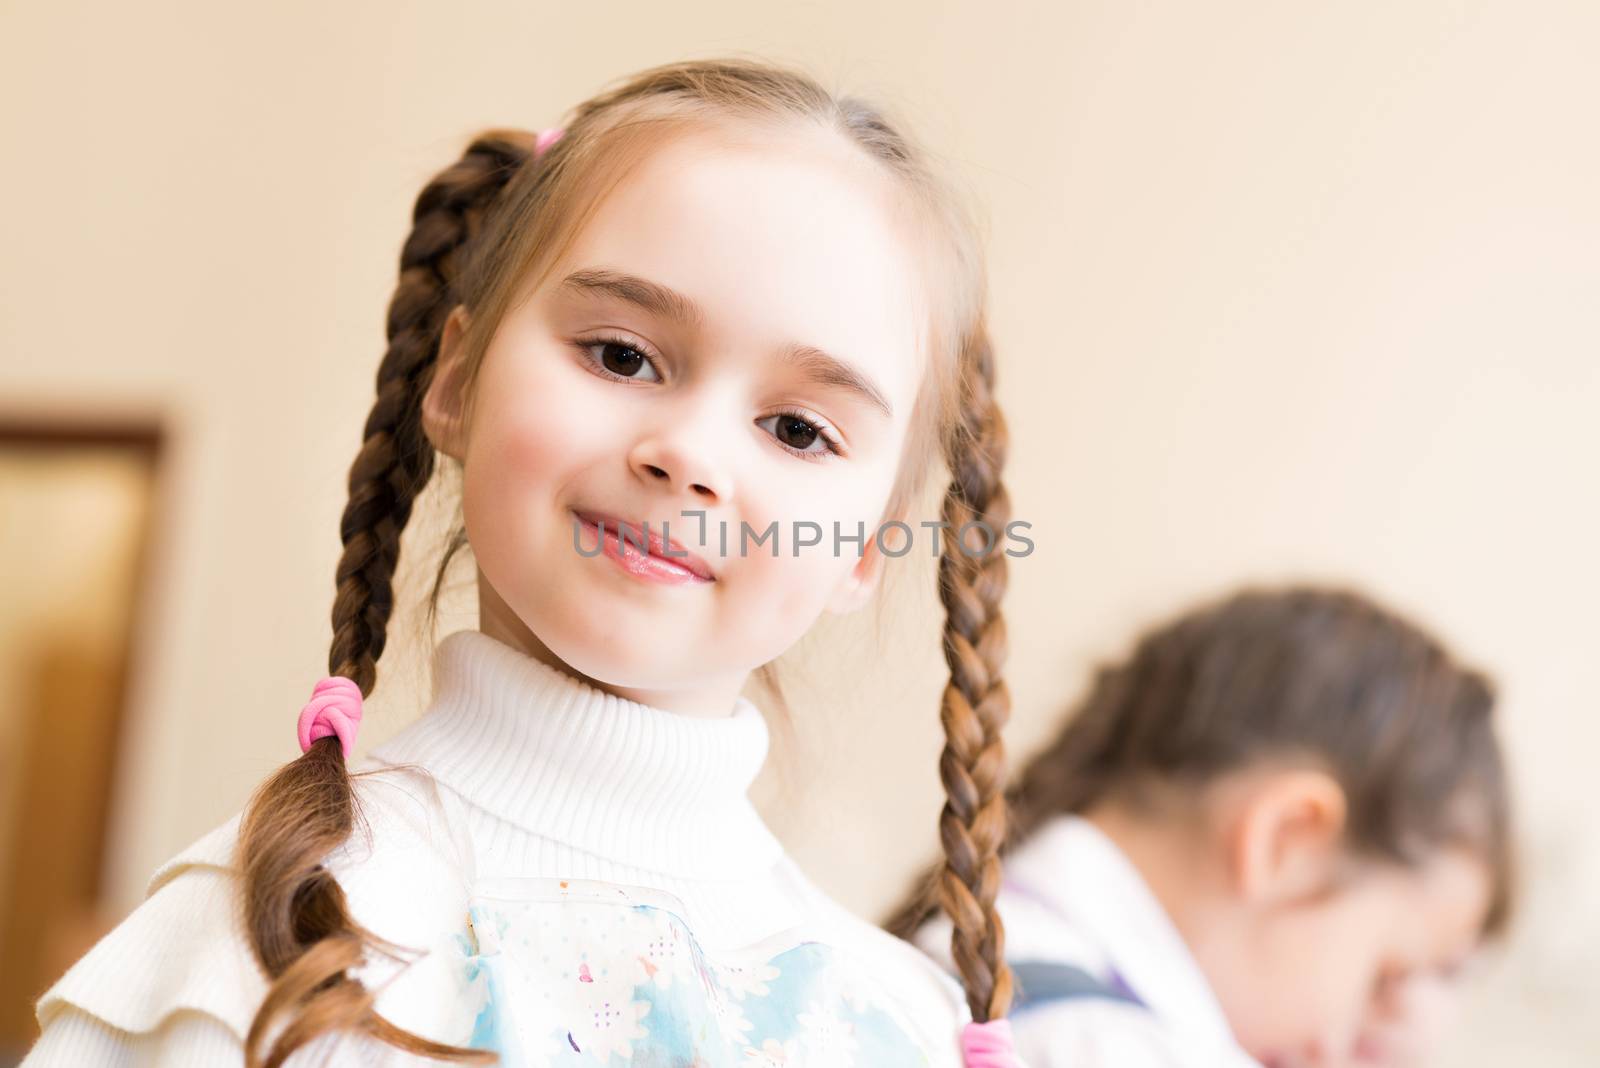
1269,836
720,306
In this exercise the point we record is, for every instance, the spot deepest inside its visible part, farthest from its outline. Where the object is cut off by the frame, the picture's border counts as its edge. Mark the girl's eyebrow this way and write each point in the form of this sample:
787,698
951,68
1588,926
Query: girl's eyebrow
825,370
653,297
657,299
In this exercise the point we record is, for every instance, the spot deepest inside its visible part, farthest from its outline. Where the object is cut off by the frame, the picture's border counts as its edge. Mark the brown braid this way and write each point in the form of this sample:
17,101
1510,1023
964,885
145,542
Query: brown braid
972,581
295,910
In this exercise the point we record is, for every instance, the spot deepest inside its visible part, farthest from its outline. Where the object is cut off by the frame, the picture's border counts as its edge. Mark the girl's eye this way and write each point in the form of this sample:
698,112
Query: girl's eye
620,359
800,434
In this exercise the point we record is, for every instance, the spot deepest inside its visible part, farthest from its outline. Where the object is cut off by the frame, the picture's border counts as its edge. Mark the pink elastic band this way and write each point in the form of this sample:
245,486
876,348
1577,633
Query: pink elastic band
989,1045
546,138
334,709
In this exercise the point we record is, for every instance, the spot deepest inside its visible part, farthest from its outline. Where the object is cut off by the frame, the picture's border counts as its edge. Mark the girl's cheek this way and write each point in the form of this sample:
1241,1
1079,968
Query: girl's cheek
536,430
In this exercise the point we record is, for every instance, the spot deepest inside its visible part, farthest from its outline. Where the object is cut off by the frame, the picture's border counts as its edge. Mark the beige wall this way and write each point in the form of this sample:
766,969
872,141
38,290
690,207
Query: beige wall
1282,289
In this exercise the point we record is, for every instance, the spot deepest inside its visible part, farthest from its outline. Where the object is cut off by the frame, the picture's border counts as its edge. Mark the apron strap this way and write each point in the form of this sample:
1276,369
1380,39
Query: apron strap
1040,982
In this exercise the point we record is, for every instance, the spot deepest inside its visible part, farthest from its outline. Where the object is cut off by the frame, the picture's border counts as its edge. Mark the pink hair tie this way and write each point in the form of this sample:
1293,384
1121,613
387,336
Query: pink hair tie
989,1045
334,709
546,138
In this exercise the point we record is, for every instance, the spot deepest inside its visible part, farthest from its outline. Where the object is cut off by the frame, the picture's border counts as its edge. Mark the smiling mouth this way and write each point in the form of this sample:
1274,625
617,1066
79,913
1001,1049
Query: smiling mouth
629,533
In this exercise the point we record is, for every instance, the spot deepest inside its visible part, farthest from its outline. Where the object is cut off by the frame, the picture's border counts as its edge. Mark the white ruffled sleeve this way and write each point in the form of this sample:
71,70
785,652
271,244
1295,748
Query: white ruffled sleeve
76,1038
178,984
176,973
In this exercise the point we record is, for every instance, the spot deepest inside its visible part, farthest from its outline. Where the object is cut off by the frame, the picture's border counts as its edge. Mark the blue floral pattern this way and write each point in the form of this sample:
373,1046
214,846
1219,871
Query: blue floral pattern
569,974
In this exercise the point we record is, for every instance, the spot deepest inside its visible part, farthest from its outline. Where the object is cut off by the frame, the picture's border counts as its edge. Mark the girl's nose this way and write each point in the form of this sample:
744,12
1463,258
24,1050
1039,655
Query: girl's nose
687,464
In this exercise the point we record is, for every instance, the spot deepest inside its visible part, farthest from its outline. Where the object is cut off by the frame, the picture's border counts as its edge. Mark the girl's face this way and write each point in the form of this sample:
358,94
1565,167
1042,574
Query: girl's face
1363,976
738,332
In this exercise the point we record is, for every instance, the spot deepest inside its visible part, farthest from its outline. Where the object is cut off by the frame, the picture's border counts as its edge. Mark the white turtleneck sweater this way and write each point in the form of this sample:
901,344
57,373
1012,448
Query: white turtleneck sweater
520,789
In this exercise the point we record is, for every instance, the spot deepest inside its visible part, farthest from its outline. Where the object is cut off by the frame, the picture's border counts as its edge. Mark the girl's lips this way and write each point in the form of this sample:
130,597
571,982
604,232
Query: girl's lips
626,549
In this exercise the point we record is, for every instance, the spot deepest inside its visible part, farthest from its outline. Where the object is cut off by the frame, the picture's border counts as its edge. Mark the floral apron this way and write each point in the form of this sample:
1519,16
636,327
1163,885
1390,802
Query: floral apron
574,974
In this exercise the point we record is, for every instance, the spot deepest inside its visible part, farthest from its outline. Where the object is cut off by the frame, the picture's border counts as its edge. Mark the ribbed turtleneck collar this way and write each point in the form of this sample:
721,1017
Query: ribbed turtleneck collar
615,778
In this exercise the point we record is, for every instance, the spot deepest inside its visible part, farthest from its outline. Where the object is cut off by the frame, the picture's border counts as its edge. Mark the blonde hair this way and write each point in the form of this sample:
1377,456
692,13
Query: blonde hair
490,224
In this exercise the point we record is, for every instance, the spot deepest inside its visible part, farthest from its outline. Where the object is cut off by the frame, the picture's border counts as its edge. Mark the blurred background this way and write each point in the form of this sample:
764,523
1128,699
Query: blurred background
1281,291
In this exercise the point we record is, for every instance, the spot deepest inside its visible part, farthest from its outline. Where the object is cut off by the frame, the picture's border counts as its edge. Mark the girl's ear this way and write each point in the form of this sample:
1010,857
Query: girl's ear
858,586
443,404
1286,837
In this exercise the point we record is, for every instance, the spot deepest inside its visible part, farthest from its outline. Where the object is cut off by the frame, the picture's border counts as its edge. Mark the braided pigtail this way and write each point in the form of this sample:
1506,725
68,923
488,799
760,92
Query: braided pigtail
298,921
976,704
